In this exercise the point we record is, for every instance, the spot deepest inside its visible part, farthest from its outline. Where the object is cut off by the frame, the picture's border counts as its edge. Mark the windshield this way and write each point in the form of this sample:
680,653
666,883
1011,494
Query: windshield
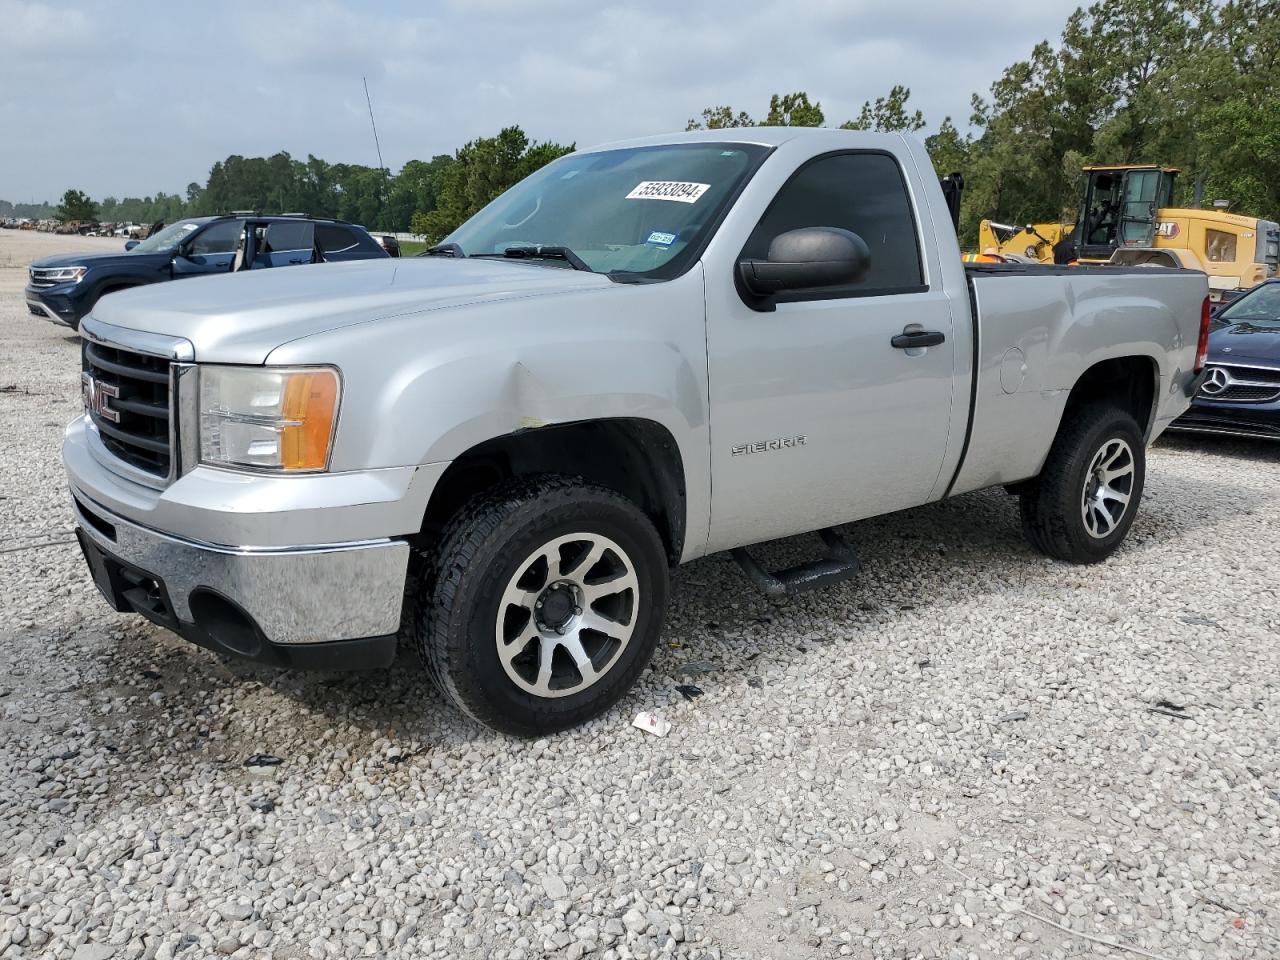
1261,306
168,238
641,211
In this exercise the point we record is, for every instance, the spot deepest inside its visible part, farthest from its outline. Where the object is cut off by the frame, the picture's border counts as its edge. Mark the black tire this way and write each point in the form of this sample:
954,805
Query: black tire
1055,519
483,548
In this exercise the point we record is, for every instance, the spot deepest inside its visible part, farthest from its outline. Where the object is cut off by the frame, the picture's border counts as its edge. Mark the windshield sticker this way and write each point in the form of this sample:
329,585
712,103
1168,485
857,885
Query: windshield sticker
190,226
661,239
681,191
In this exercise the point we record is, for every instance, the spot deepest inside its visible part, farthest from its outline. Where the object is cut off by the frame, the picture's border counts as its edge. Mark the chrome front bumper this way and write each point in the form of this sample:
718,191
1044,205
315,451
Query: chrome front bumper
293,595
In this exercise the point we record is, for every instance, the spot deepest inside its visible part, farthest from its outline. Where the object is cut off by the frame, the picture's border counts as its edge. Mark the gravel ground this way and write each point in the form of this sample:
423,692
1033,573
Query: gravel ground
970,751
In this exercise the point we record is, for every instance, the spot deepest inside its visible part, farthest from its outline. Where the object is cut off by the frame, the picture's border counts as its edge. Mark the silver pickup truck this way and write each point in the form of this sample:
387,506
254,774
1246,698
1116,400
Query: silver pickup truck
641,354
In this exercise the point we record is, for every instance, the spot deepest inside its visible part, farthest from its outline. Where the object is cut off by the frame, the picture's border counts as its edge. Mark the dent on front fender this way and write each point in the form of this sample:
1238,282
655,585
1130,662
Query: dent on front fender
428,387
488,402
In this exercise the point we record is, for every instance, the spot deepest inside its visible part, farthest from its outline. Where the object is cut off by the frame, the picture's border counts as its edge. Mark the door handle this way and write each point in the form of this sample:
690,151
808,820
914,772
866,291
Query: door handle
918,338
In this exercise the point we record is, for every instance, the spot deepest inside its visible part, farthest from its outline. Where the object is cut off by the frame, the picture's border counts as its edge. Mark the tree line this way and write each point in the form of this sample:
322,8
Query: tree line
426,196
1188,83
1193,84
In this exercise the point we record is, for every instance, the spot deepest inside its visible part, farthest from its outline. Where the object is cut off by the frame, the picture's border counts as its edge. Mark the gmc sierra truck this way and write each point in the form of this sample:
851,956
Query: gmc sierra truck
641,354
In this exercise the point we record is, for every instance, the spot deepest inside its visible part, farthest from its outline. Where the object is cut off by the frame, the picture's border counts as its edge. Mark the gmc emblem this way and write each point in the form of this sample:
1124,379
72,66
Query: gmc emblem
97,397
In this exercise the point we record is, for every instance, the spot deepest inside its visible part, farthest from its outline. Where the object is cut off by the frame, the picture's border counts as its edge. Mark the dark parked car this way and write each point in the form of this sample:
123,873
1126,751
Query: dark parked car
388,243
65,288
1241,394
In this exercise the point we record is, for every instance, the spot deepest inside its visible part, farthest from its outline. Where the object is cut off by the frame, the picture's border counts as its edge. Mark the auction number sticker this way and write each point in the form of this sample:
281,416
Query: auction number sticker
681,191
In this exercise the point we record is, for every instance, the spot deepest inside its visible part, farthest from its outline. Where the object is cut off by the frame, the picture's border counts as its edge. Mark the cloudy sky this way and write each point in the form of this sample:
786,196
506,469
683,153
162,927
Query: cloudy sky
129,98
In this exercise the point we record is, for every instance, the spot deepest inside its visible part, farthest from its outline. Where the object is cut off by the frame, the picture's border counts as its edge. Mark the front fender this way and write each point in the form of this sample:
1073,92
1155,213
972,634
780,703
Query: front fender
426,387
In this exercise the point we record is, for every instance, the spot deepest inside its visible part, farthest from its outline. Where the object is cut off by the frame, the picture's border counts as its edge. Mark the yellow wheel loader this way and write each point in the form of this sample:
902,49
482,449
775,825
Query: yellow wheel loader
1126,216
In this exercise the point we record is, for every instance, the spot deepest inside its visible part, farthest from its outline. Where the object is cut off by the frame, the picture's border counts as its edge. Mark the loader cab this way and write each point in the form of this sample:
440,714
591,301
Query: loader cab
1118,207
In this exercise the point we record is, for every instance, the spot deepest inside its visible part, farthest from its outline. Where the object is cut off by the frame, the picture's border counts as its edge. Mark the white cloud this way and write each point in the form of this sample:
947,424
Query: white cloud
113,99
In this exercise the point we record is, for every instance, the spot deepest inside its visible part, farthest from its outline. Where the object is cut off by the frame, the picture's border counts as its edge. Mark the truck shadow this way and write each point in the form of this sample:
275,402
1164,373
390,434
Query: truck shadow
720,632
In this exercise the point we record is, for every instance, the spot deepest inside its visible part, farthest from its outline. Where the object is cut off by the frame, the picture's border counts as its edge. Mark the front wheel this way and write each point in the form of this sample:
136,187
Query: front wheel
543,604
1085,499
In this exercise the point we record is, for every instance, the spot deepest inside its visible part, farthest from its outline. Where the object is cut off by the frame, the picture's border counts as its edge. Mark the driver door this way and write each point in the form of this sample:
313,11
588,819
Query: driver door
817,417
1138,202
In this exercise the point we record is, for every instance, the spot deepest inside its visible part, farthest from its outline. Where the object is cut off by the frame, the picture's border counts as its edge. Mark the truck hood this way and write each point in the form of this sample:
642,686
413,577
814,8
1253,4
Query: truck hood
102,259
242,317
1244,341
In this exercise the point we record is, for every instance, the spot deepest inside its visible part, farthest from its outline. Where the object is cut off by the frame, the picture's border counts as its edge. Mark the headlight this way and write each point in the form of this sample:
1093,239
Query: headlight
269,418
60,274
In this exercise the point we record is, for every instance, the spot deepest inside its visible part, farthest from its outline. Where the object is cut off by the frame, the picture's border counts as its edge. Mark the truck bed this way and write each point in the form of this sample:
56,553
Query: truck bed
1056,270
1038,327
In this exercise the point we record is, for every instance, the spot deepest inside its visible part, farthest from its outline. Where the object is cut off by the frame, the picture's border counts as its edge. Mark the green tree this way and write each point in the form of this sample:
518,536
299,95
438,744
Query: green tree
1231,97
1240,143
793,110
1189,83
785,110
413,190
888,114
948,149
720,118
480,171
76,206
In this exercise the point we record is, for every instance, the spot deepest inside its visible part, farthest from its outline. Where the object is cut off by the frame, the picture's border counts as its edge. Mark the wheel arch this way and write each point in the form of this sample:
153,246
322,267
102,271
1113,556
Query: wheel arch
635,457
1130,382
112,285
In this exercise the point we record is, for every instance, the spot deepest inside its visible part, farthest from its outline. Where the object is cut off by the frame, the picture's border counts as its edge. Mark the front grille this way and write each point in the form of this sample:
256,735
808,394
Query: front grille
1262,375
138,395
1248,394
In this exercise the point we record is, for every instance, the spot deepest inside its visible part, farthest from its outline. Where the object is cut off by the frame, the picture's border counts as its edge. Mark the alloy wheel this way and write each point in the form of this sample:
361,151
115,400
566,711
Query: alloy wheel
1107,489
567,613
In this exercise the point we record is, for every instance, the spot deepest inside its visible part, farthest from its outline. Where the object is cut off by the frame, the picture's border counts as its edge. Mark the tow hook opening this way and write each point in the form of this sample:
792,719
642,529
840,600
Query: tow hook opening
224,623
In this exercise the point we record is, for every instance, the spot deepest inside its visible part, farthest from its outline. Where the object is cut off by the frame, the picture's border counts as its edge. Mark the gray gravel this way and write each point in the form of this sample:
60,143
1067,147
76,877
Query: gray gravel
969,752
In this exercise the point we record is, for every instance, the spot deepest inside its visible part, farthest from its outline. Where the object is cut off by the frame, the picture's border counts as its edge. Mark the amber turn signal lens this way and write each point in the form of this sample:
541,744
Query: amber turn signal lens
308,411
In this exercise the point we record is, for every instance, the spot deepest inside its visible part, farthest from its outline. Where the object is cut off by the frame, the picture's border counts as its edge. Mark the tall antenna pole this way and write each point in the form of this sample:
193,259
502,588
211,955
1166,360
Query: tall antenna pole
381,167
372,123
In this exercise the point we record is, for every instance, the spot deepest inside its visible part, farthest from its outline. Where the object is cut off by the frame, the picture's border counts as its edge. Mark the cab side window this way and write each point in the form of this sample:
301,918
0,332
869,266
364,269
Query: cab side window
220,237
861,192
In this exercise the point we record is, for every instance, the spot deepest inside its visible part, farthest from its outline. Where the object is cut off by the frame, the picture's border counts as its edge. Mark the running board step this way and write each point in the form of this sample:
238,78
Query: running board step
841,563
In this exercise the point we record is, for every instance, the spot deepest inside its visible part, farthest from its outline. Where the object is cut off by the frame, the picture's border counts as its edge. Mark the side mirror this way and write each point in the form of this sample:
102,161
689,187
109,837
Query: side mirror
811,257
130,244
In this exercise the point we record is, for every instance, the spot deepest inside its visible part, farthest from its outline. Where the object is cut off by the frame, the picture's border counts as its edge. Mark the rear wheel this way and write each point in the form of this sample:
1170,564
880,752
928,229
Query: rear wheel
1081,506
542,605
